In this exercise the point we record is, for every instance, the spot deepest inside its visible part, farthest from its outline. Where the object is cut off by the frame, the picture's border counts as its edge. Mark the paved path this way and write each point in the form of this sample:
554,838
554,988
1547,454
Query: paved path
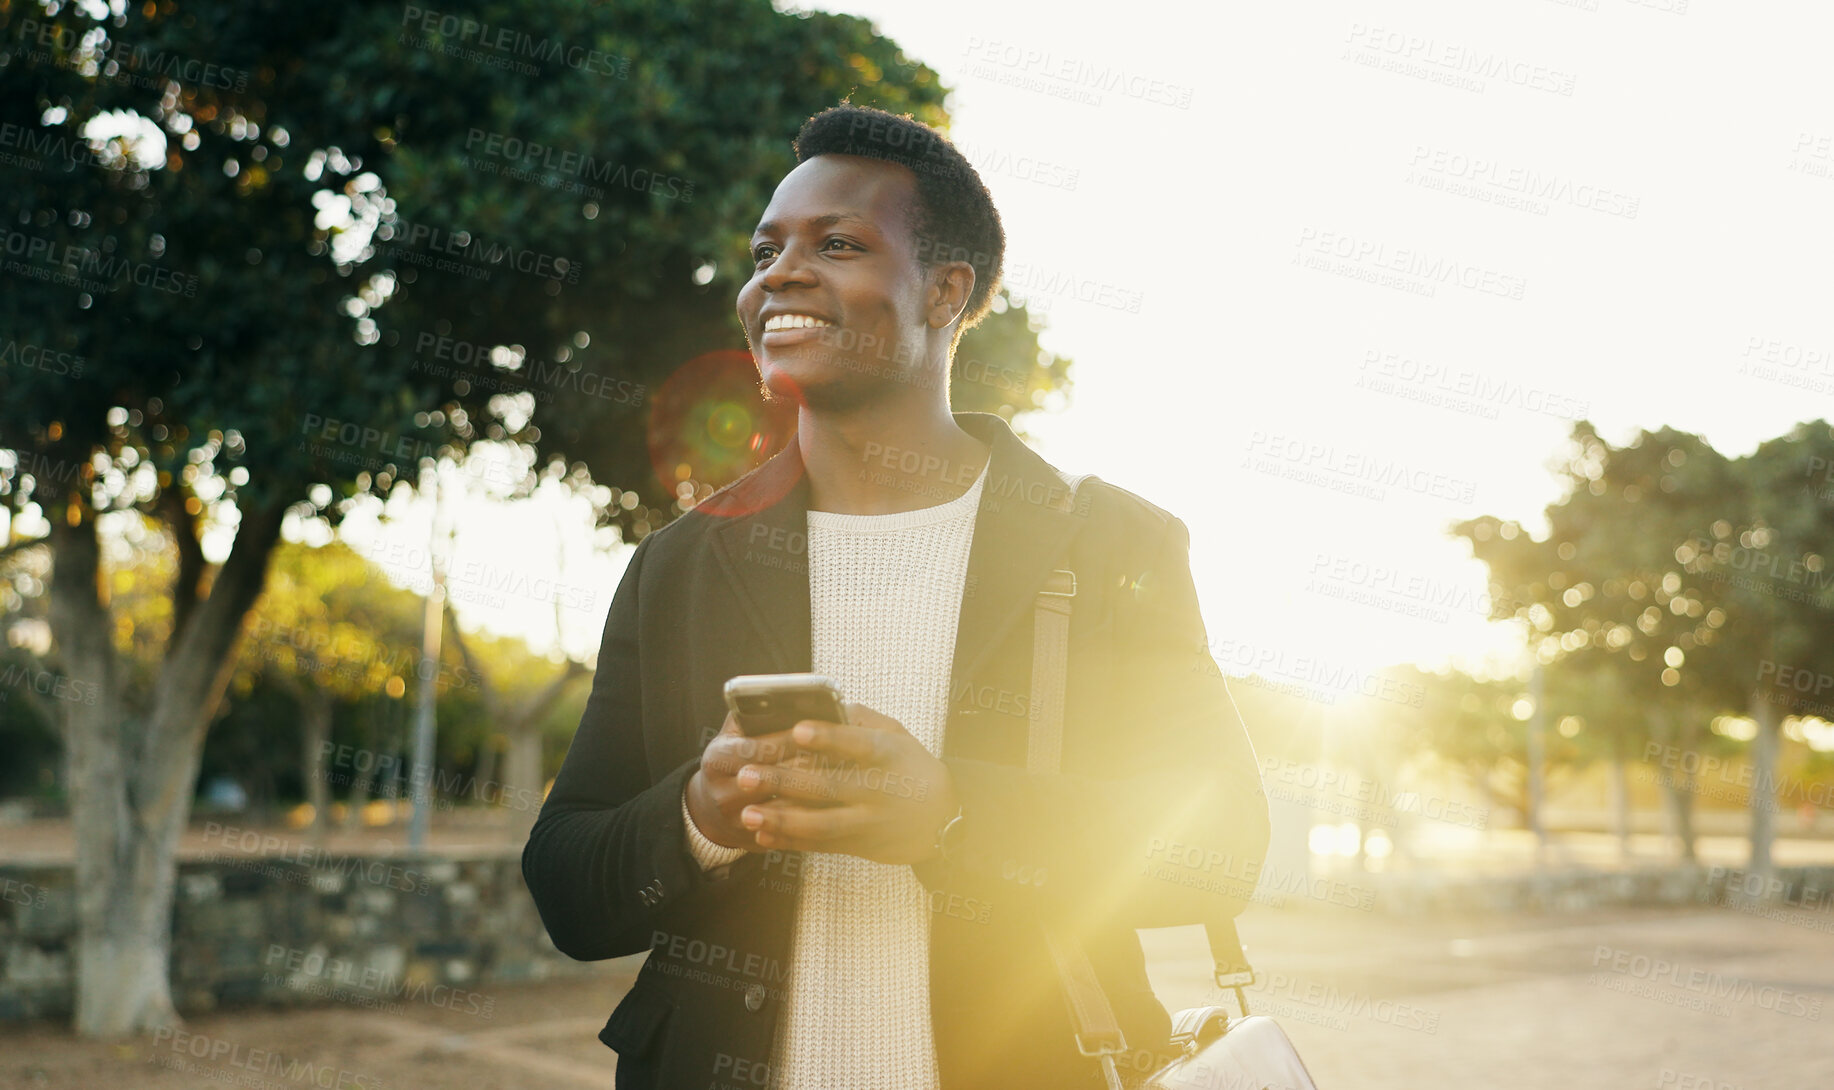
1609,999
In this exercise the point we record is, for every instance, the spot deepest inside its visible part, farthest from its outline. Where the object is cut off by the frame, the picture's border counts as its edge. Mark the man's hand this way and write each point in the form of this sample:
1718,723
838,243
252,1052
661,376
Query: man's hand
867,788
715,799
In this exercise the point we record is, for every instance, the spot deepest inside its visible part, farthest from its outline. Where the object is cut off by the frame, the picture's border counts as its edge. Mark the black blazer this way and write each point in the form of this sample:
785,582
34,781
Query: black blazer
1158,806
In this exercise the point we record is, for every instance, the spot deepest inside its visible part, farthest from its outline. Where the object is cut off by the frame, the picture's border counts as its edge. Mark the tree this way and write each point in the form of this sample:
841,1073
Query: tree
329,631
1607,583
272,260
1768,554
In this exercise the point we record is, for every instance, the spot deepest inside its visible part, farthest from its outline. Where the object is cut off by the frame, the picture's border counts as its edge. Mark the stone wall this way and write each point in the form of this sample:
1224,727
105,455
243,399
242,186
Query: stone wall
254,929
1574,889
376,931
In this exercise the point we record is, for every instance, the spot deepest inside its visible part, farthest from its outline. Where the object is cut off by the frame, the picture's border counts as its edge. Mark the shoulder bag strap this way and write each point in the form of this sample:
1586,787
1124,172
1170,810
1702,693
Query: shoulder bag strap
1098,1033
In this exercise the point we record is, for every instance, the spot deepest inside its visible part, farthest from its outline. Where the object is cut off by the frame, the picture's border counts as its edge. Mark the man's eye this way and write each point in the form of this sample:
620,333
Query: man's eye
843,242
759,253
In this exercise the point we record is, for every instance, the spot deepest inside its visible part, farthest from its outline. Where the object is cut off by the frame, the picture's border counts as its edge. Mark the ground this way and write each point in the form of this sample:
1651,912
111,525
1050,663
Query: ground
1663,998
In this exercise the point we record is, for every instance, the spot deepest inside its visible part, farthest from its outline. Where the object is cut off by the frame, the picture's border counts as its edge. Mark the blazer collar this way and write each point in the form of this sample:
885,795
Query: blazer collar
1022,531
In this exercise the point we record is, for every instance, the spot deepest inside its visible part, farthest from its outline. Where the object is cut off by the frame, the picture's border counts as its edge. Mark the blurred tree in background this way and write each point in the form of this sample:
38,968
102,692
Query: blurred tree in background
274,258
1665,587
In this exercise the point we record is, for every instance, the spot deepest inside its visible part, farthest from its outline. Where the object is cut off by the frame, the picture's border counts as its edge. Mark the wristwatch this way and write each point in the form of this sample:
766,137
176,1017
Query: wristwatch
949,837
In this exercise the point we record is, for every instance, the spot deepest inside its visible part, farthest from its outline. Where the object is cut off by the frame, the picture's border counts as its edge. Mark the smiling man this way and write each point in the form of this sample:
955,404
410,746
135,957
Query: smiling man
865,905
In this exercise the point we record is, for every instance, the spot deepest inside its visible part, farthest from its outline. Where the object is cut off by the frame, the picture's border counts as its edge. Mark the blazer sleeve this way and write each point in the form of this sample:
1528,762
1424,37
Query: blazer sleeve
1163,820
608,854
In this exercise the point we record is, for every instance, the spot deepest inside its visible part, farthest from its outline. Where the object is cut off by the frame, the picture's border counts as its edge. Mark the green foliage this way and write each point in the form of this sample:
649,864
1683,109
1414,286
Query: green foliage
315,178
1674,582
231,217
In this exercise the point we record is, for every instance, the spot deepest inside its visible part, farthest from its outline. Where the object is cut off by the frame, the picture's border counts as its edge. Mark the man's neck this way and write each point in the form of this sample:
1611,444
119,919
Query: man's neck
886,458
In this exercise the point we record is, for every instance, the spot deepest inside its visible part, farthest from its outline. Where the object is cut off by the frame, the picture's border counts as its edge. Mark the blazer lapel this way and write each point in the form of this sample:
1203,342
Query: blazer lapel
761,540
1021,533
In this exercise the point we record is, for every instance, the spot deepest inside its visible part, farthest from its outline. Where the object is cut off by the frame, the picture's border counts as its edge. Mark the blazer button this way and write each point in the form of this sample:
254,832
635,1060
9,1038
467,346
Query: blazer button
754,997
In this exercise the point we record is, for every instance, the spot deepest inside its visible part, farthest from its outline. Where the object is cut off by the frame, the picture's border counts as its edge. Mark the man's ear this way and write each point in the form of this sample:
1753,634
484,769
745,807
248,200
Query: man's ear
950,286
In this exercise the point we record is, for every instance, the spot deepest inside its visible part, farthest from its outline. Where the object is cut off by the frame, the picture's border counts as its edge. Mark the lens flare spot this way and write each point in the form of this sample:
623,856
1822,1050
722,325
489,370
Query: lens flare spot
730,426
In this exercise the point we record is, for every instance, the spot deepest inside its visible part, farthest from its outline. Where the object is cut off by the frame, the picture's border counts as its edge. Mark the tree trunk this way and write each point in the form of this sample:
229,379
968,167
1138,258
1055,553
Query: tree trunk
1764,750
132,780
1677,787
363,771
522,778
315,721
1620,800
522,768
486,773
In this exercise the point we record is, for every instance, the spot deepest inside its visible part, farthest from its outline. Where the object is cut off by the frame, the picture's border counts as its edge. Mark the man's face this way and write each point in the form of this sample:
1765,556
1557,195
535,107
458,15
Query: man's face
835,309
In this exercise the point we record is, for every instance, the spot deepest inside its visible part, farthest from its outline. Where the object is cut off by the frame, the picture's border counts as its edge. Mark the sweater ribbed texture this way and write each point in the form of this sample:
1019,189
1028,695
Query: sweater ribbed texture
885,594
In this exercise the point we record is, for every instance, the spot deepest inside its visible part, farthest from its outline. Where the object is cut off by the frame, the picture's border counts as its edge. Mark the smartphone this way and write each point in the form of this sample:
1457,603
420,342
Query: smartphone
766,703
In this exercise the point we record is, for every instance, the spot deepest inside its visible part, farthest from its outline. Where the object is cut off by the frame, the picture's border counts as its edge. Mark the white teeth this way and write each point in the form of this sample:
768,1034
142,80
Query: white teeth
793,321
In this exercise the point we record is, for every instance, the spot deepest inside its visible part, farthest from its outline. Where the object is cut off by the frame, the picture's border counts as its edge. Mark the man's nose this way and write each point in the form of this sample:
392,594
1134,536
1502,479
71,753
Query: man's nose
791,267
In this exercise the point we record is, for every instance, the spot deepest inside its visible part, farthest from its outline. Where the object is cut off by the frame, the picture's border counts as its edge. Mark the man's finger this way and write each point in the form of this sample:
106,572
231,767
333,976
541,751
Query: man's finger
730,754
858,744
794,782
787,824
860,715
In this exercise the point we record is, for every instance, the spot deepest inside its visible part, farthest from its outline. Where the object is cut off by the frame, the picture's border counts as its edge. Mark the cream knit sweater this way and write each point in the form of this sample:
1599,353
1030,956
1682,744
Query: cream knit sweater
885,593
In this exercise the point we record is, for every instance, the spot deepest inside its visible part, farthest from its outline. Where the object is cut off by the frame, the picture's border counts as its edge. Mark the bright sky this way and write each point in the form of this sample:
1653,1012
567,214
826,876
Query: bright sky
1333,206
